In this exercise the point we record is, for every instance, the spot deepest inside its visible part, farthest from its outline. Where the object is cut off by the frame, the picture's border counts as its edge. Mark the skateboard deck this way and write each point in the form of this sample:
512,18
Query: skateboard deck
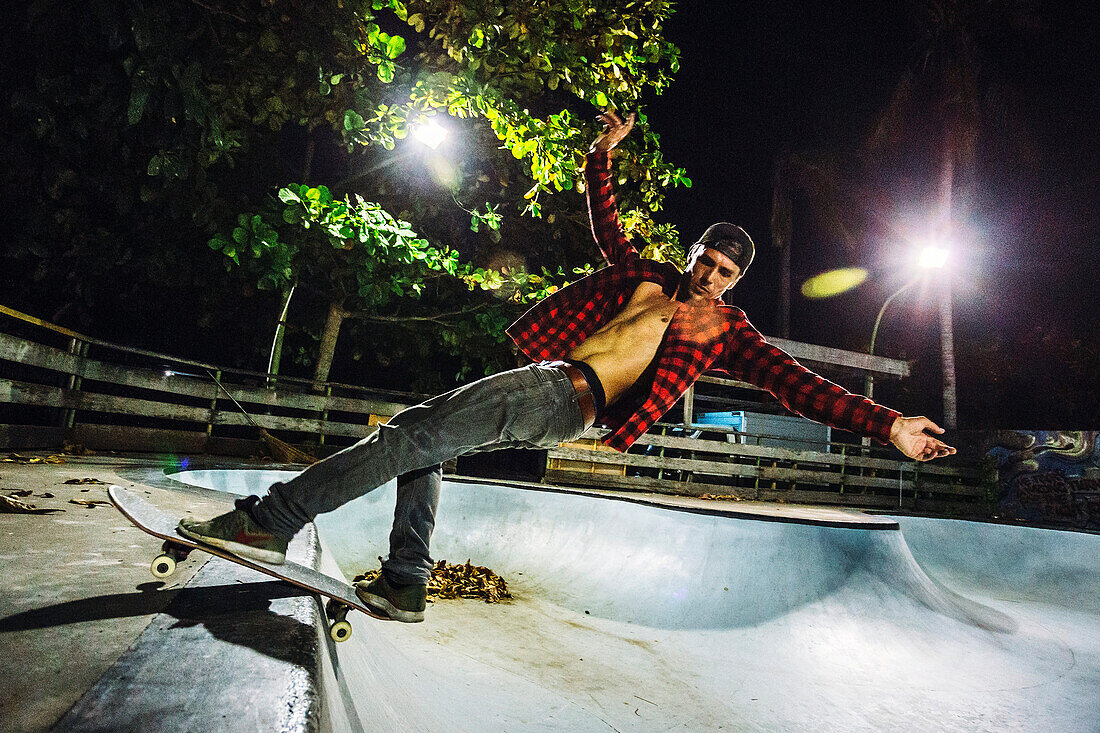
147,517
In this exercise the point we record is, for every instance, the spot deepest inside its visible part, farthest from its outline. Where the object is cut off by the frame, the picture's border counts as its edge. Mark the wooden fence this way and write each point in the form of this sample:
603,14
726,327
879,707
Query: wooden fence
665,461
63,385
106,396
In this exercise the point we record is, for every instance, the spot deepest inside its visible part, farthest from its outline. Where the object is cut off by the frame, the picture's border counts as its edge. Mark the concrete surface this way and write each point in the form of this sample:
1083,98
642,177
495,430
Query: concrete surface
90,641
75,590
626,616
633,617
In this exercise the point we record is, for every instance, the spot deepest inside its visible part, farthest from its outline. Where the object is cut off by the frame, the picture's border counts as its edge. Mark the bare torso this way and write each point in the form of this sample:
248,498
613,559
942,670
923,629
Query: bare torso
621,350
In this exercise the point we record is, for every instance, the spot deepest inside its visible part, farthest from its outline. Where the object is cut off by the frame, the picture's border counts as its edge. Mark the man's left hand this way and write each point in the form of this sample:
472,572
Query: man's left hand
909,436
614,130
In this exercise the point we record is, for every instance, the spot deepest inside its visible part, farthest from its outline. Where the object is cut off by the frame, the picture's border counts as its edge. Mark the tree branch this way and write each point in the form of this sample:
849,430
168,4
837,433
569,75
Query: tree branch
219,11
437,318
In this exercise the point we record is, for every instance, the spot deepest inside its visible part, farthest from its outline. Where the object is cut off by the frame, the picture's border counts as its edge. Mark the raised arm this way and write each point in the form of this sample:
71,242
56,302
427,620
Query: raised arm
602,210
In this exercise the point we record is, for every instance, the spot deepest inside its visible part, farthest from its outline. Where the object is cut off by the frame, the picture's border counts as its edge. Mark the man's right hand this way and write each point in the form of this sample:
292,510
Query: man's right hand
614,130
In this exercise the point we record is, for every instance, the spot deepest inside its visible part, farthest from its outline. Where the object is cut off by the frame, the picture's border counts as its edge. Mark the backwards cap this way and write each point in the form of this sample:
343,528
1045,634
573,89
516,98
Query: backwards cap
732,241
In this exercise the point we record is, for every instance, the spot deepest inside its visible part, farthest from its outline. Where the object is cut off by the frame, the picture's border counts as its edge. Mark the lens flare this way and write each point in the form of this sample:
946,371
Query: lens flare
833,282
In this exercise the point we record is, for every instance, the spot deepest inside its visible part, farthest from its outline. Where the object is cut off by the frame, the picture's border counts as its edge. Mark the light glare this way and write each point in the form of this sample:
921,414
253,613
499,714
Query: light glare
933,258
430,133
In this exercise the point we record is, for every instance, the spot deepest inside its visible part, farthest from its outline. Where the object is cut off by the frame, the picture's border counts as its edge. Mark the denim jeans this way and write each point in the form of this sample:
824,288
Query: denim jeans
531,407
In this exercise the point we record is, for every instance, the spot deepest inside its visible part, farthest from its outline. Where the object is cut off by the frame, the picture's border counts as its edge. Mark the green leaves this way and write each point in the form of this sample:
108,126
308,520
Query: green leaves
395,46
353,121
139,97
490,218
380,49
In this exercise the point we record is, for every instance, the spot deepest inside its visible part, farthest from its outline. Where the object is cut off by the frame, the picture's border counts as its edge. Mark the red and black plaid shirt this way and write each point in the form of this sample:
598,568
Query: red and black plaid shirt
699,338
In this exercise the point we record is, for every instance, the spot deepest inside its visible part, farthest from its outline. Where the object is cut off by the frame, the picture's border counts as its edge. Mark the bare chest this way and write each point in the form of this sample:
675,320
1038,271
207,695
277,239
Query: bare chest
647,313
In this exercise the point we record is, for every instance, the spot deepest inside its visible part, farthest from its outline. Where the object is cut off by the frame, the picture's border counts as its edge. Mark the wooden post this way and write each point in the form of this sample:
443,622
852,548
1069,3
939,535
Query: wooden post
661,471
324,416
213,406
80,350
843,467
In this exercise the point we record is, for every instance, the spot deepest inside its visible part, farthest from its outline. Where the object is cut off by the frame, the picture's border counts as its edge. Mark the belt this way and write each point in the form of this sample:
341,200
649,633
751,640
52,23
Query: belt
585,399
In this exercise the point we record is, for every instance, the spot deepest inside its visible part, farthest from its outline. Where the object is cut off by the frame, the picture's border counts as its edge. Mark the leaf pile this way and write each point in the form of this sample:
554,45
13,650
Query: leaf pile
459,581
85,481
721,497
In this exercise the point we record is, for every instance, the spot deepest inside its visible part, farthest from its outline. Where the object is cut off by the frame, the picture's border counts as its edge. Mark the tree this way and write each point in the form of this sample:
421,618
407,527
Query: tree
481,62
363,259
154,126
923,146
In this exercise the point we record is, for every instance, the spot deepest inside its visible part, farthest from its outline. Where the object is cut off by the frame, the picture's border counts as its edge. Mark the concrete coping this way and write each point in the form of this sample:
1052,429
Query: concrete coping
234,647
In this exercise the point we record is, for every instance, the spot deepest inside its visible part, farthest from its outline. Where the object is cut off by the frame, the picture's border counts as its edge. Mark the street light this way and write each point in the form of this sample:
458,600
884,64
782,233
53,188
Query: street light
430,133
933,258
426,131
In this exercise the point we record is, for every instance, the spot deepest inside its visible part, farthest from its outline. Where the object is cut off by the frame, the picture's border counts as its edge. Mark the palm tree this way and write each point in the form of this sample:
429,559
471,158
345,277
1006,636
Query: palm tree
949,92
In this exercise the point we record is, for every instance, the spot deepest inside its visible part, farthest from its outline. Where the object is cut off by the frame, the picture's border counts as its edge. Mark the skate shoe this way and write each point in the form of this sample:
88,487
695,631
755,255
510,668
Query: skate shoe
237,532
404,603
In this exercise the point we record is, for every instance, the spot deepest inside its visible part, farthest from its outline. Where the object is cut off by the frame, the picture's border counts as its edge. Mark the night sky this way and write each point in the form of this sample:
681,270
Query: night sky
759,78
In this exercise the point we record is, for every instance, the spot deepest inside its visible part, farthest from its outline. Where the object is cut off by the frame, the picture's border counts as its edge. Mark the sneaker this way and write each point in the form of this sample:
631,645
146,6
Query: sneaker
400,602
238,533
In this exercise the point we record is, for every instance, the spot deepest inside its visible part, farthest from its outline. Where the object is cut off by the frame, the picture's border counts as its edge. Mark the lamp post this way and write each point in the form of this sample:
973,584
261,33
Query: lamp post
930,258
869,380
947,350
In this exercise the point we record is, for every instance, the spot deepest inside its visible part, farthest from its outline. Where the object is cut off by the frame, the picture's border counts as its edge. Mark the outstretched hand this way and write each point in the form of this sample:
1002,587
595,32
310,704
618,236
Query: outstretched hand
614,130
908,435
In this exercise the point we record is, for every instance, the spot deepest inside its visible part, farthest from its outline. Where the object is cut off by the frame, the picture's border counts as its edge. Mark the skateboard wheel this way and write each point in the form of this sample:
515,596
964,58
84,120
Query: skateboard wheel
340,631
163,566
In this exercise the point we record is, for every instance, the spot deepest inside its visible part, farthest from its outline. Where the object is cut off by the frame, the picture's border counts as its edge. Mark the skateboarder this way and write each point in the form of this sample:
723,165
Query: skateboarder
619,347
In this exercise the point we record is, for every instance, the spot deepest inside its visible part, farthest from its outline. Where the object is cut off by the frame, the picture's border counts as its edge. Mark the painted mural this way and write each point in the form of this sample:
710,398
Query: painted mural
1049,477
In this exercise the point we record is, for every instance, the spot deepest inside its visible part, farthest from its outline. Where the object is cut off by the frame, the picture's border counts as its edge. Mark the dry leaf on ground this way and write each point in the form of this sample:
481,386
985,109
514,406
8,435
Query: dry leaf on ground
88,502
16,458
11,505
85,481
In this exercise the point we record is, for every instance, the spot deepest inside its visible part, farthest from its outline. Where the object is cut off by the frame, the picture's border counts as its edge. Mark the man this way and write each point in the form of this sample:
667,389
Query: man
620,346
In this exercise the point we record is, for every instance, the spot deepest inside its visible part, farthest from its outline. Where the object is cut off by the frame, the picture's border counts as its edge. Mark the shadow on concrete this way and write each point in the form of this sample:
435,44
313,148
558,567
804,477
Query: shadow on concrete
238,613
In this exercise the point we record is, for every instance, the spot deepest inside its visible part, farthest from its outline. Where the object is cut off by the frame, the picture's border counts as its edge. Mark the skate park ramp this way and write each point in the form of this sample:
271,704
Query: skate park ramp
632,617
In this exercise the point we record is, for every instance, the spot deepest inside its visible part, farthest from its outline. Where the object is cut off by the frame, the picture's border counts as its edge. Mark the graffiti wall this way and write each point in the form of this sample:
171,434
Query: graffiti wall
1049,477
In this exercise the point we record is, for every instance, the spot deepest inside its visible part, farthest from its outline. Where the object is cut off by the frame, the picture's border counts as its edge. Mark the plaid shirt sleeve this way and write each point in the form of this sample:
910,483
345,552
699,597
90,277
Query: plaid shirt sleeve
750,358
602,210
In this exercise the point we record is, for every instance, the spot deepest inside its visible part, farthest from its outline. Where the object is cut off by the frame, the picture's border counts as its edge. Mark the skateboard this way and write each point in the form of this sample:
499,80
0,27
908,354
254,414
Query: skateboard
341,596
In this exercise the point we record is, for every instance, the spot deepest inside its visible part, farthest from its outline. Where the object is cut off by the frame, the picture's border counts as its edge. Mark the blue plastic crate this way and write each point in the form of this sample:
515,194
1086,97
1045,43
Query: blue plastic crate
775,431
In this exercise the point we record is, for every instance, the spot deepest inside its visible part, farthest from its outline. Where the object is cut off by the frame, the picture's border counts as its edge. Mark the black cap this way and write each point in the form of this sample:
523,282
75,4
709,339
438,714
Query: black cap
732,241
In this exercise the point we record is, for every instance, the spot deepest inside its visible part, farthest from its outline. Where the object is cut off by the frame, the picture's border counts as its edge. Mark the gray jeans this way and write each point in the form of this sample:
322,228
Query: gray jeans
532,407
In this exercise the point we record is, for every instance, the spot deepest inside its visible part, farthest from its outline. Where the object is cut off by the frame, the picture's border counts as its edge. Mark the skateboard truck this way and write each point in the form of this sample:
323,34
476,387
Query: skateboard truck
164,564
